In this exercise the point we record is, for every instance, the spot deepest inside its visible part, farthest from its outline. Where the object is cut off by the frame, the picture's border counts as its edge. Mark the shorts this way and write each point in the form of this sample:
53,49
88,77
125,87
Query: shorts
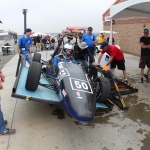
120,64
144,60
38,44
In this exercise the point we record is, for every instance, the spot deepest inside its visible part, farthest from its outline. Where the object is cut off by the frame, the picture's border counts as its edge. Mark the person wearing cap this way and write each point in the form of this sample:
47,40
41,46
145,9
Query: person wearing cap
145,55
90,40
116,58
83,50
24,47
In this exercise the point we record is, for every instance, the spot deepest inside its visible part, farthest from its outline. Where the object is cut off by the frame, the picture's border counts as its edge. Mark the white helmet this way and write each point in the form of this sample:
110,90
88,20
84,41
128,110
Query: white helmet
67,46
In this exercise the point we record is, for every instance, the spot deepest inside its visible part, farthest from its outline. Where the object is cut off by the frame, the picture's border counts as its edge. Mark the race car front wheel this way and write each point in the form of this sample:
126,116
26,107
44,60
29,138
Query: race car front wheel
33,76
102,89
36,57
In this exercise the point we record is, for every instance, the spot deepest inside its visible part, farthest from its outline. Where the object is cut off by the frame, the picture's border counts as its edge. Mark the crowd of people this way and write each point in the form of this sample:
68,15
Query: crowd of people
43,42
85,49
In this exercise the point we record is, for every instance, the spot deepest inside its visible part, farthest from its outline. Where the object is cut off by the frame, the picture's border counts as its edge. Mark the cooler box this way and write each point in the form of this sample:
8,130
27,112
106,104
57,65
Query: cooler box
104,60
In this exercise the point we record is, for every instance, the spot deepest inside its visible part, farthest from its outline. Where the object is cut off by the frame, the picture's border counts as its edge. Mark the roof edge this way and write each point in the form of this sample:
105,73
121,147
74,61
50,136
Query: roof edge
109,9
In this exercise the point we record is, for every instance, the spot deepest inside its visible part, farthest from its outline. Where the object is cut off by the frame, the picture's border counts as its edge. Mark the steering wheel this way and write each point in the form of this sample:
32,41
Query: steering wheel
70,38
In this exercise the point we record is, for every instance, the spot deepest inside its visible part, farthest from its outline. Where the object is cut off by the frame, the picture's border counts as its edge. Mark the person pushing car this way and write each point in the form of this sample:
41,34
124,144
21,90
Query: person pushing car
82,50
116,58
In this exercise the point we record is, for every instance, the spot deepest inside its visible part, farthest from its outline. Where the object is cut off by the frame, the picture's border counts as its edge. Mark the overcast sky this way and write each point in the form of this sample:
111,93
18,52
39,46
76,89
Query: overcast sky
52,15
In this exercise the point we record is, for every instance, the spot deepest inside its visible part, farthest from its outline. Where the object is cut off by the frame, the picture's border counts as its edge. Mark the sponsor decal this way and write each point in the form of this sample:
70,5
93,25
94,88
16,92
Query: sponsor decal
78,95
107,18
63,73
64,92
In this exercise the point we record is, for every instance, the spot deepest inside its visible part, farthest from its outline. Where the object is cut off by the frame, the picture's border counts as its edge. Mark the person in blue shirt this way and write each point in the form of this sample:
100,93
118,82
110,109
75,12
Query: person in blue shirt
66,55
90,40
24,47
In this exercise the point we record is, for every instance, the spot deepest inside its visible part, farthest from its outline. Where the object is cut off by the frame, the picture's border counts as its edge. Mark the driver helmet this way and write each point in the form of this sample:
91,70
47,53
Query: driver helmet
67,47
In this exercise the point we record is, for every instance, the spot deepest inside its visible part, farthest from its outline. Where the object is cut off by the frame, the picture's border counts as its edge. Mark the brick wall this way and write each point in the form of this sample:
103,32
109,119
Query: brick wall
129,32
129,35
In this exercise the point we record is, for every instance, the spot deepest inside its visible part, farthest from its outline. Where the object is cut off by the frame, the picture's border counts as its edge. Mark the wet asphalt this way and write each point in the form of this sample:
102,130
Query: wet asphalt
134,120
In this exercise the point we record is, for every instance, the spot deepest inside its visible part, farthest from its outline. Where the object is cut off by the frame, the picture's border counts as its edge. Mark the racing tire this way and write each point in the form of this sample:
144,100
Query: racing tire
103,89
36,57
33,76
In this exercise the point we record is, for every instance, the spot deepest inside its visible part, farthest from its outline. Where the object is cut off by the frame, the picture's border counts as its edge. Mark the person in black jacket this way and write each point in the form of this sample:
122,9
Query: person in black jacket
82,50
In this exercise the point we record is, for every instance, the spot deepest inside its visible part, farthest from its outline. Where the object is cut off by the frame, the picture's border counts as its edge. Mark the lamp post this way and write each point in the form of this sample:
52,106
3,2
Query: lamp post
24,11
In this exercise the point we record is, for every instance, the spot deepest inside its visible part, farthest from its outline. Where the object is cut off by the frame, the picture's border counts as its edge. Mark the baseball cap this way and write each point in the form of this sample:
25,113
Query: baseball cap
146,31
28,30
90,28
103,45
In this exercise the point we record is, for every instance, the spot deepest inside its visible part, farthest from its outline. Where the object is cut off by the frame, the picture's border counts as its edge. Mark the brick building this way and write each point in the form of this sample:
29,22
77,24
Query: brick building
129,30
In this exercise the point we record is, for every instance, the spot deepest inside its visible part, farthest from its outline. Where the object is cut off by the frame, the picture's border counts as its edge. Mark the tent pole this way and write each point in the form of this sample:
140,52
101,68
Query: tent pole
111,30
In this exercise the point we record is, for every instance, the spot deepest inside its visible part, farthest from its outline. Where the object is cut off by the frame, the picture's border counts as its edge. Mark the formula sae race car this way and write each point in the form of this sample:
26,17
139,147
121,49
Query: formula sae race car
81,95
68,85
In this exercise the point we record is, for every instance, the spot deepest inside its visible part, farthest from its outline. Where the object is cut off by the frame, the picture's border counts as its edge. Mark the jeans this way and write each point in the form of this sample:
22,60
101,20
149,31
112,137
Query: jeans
51,46
2,123
92,51
85,63
26,57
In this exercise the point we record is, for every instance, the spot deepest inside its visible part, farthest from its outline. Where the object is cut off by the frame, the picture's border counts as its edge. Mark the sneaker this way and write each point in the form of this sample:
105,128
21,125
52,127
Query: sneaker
5,121
126,80
8,132
146,76
141,80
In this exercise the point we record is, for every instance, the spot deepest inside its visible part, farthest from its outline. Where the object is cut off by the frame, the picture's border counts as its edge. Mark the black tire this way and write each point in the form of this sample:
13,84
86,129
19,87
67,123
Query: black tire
33,76
103,89
36,57
96,50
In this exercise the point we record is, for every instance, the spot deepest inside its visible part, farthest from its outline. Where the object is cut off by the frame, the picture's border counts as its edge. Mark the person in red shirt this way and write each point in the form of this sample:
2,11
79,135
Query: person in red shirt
116,58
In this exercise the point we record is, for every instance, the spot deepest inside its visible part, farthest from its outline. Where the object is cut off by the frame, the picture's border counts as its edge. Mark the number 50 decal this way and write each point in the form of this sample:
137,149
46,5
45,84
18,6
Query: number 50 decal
80,85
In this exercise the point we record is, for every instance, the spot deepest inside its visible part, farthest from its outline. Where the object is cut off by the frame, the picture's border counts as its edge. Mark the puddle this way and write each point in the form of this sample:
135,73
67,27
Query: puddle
132,80
130,100
103,120
138,110
146,143
99,119
59,113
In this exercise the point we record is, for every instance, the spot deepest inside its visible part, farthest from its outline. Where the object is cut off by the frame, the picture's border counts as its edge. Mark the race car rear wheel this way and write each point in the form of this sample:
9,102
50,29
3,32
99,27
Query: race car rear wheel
36,57
102,89
33,76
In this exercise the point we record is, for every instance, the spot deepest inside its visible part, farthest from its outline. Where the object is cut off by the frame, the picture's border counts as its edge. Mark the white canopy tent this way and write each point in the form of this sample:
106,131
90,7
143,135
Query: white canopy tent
130,8
39,33
4,33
